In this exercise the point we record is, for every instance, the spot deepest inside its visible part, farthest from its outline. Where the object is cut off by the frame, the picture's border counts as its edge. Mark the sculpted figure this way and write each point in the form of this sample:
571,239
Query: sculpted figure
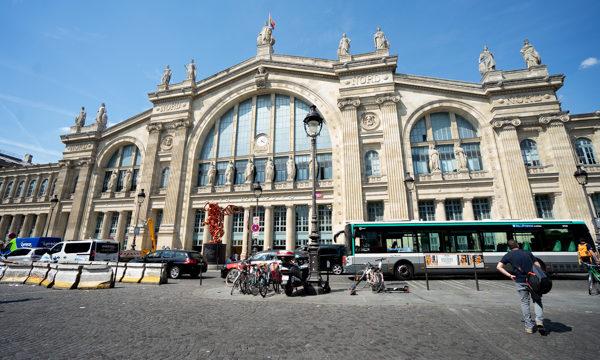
229,174
127,181
269,170
434,159
249,173
212,173
486,61
344,46
291,169
381,43
166,77
265,37
101,117
112,181
191,71
531,57
461,158
80,119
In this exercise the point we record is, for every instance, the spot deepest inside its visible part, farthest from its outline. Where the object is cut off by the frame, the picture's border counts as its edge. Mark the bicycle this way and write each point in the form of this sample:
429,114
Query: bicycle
593,278
373,277
241,280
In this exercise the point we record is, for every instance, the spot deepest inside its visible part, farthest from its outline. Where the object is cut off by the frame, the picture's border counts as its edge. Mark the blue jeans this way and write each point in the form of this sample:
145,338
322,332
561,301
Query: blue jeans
524,295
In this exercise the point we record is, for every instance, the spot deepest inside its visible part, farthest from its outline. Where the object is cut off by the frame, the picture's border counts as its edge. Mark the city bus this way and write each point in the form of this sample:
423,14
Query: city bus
405,245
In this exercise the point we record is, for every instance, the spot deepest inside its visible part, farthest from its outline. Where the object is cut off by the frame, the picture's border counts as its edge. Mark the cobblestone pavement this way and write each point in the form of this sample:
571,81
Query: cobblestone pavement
185,320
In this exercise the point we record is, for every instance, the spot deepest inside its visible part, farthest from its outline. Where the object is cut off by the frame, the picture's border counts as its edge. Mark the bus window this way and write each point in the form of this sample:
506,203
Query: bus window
559,239
495,241
370,243
429,242
527,241
462,242
399,242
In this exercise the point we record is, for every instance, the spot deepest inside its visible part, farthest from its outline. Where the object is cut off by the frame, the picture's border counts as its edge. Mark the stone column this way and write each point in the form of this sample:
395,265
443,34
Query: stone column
205,231
268,230
5,222
520,199
146,176
228,233
246,234
79,199
169,234
468,209
290,228
27,223
105,225
60,190
14,225
121,227
440,210
575,199
397,205
3,187
40,225
351,158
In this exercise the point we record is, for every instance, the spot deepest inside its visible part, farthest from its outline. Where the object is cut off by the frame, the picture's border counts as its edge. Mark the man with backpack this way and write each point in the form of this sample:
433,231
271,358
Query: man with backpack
522,263
585,252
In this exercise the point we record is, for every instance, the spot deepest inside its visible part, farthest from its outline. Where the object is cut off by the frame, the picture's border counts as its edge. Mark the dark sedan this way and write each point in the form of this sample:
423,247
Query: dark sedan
178,262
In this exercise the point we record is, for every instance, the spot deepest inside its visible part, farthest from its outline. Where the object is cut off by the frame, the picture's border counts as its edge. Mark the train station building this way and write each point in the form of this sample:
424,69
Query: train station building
394,146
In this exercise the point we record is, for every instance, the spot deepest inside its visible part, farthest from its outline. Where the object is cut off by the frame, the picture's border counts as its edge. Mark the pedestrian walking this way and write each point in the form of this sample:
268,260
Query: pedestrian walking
522,263
586,253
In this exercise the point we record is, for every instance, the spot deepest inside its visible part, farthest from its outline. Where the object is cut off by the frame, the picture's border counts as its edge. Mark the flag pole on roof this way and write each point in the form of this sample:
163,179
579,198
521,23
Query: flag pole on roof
271,22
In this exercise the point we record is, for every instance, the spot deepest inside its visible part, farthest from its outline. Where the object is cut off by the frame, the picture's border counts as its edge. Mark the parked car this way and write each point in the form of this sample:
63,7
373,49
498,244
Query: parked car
335,254
26,254
85,250
178,262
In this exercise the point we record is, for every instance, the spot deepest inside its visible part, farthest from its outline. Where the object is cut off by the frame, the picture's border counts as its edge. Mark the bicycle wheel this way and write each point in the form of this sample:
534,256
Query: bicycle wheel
263,286
231,276
235,285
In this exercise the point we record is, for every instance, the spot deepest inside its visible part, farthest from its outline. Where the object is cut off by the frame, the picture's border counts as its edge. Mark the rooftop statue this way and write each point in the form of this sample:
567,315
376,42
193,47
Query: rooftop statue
191,71
486,61
265,37
101,117
80,119
531,57
344,46
381,42
166,77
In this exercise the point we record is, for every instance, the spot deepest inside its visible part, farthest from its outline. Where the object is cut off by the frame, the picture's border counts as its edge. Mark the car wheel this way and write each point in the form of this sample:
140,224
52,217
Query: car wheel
403,271
337,269
174,272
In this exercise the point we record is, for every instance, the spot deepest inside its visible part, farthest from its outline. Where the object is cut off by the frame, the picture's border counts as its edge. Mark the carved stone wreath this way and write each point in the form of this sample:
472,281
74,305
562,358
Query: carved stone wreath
369,121
166,143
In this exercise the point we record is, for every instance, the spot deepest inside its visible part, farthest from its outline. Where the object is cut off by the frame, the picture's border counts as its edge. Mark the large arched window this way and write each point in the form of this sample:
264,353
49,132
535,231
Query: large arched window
372,163
125,159
9,188
259,128
530,153
585,151
20,187
454,138
43,187
31,187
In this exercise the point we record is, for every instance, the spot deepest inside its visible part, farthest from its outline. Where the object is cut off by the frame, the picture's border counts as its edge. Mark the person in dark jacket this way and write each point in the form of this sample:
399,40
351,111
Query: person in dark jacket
522,262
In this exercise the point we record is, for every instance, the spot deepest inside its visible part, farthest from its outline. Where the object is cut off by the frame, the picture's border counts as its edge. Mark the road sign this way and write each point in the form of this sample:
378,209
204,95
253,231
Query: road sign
256,220
255,228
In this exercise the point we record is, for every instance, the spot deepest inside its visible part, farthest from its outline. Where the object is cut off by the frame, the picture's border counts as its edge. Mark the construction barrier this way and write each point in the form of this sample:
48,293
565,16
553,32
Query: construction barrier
38,273
120,270
16,272
2,268
134,272
154,274
67,276
95,277
49,280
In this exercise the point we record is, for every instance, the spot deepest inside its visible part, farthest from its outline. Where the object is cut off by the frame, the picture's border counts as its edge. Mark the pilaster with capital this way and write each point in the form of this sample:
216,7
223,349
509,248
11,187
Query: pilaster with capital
268,230
468,209
60,190
4,224
228,233
440,210
104,231
40,223
352,186
246,233
290,228
518,190
80,199
121,227
27,223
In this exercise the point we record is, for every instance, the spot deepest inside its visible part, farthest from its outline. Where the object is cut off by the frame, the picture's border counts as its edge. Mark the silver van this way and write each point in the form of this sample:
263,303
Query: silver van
85,250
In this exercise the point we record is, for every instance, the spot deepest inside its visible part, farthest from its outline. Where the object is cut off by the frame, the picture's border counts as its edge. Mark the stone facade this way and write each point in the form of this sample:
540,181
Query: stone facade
502,148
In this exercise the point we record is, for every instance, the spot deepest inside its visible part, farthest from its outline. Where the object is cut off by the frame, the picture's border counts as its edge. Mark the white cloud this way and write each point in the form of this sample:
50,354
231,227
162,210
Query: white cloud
36,105
589,62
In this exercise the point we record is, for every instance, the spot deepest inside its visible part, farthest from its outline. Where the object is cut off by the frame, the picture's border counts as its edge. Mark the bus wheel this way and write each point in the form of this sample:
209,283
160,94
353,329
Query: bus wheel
404,271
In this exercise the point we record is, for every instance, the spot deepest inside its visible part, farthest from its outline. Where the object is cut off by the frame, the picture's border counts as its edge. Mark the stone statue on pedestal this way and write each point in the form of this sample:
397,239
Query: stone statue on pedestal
212,173
381,42
249,173
269,170
191,71
461,158
80,119
229,173
291,169
127,181
101,117
344,46
434,159
112,181
486,61
166,77
265,37
531,57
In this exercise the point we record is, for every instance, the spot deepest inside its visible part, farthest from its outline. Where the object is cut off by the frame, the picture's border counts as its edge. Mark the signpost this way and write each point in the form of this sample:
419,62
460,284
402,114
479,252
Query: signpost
255,226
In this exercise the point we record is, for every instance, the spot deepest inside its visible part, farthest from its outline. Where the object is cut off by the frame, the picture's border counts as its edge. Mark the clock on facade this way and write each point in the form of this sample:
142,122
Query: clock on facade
261,141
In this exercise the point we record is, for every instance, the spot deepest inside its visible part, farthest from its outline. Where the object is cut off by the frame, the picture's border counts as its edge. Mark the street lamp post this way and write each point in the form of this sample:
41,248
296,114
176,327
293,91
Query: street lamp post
313,122
141,196
257,190
582,178
53,203
409,181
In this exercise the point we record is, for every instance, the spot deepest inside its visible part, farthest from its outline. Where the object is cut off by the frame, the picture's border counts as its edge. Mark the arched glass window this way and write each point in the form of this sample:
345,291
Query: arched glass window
43,187
19,191
124,159
164,177
259,128
372,163
8,190
585,151
448,131
530,153
30,188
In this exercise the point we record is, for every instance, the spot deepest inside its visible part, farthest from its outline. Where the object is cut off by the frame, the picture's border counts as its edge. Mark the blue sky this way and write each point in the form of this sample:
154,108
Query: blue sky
56,56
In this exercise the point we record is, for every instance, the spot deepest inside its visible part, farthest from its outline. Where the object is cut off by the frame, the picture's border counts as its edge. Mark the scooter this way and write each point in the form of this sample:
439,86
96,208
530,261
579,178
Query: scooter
296,278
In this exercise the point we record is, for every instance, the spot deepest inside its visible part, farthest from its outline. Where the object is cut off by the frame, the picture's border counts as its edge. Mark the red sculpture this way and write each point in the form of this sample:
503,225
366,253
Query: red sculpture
214,219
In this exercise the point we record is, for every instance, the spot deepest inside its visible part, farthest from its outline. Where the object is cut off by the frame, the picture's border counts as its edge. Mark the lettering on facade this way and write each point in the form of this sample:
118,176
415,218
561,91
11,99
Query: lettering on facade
172,106
79,147
362,80
518,100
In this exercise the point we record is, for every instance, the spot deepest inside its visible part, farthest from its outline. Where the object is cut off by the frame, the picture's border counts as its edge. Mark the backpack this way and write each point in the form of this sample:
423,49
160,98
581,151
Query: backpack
582,250
538,282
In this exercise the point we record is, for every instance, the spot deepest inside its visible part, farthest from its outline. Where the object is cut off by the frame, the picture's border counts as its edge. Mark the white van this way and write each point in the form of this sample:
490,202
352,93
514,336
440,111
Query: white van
85,250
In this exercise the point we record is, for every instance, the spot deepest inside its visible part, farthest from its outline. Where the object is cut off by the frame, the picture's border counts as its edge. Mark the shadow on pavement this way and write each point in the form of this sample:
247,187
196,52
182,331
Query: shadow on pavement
18,300
556,327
